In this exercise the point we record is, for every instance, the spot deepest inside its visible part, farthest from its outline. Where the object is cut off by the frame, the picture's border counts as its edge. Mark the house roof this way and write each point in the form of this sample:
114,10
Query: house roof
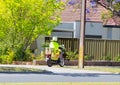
113,22
92,14
72,13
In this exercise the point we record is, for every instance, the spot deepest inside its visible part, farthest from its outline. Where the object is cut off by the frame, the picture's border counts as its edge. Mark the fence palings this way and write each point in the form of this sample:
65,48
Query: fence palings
98,49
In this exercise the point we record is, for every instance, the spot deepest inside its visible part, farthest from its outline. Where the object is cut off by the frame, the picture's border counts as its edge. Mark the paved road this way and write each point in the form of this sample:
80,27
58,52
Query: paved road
55,74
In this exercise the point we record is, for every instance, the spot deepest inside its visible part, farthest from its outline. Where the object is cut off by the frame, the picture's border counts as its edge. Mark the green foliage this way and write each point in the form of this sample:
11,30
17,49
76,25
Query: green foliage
72,55
116,6
22,21
87,57
3,59
45,45
40,56
106,15
23,56
8,58
27,56
3,51
117,58
108,58
19,54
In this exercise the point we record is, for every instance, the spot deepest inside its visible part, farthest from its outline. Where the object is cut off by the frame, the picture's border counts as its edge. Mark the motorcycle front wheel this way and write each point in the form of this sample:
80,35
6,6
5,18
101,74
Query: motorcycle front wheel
62,62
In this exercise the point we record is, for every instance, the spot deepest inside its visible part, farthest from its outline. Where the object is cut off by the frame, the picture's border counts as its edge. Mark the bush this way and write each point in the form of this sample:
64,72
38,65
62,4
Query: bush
108,57
87,57
45,45
20,55
72,55
40,56
3,59
117,58
28,56
8,58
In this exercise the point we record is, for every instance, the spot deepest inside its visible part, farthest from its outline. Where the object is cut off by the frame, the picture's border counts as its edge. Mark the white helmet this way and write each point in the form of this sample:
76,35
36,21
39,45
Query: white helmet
54,38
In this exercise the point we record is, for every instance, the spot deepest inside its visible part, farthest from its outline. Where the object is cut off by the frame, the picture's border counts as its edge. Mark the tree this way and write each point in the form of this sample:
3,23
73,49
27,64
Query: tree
113,7
22,21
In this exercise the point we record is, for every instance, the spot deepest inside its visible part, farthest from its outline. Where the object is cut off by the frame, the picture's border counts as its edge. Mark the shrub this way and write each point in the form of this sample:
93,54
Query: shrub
18,54
3,59
28,56
40,56
10,56
21,55
117,58
72,55
87,57
108,57
7,58
45,45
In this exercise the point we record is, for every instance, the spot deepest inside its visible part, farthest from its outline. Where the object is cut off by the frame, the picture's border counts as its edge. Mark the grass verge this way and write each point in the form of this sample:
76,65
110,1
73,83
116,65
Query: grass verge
104,68
99,68
19,69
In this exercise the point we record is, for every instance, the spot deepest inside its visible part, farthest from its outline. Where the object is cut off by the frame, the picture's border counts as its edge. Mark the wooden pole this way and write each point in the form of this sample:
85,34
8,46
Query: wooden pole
82,35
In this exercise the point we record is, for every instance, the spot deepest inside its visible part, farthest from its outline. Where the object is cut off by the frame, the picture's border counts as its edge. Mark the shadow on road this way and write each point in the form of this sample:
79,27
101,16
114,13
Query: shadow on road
45,72
82,74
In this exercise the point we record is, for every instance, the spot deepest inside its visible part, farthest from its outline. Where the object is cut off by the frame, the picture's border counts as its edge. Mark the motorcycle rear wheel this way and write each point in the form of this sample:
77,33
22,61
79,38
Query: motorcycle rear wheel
49,63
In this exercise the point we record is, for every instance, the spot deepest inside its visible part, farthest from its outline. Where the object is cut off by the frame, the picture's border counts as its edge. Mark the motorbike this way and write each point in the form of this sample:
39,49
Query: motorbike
55,56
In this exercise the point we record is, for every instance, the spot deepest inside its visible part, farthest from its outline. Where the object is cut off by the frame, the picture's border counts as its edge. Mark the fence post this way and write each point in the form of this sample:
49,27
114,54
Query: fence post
105,47
72,46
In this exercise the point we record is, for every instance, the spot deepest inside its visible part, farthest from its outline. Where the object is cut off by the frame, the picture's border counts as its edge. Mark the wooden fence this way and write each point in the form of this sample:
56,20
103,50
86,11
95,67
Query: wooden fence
98,49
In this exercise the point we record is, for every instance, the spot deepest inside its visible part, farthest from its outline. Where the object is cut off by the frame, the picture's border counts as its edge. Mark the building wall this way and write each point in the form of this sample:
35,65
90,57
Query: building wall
111,33
116,33
92,29
62,34
65,29
104,33
39,42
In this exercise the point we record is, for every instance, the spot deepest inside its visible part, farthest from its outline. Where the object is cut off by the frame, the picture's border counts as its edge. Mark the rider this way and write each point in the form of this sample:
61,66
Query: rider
54,46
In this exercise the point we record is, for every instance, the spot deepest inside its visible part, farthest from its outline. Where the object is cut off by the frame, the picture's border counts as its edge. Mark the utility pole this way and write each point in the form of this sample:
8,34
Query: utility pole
82,35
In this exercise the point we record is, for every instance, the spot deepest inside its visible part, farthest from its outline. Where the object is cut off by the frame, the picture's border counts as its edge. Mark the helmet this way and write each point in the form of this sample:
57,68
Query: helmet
54,38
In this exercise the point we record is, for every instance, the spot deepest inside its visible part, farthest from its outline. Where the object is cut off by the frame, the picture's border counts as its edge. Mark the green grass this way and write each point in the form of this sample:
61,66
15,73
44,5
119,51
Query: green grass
94,68
65,83
99,68
18,69
104,68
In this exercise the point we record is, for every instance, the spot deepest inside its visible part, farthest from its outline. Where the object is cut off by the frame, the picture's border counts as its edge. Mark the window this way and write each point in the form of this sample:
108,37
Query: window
93,36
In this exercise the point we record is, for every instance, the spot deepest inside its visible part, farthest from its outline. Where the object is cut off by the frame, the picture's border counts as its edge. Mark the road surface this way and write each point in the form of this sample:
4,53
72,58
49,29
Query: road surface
58,74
